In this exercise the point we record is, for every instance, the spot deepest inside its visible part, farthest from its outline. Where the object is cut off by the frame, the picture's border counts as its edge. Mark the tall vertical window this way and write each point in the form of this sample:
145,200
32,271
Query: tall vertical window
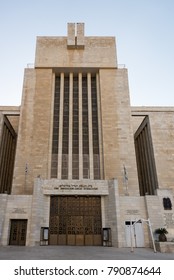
75,139
65,143
80,120
85,128
55,143
147,175
96,157
7,156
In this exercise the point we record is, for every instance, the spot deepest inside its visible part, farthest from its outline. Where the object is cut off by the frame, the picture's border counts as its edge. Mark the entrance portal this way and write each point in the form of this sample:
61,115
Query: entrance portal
75,220
18,232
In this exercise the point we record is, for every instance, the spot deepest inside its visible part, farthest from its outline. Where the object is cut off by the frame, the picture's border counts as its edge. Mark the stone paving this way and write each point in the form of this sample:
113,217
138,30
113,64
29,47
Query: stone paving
80,253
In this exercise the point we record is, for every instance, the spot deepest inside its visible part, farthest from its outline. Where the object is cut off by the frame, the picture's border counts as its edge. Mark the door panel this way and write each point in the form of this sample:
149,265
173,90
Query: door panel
71,239
76,220
79,239
18,232
134,234
53,239
97,240
139,235
61,239
89,240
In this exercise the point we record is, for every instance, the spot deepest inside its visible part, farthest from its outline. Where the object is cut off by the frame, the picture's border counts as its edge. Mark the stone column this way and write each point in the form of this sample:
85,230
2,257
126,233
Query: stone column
80,129
51,128
99,128
71,36
70,125
60,125
80,35
91,169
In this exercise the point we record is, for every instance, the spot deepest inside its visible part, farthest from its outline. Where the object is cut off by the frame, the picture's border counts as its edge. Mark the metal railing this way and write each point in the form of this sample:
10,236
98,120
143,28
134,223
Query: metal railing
30,65
121,66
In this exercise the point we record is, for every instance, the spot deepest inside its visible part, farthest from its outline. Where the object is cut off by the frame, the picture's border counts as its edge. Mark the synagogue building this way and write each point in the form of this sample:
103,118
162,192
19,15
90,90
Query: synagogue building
78,164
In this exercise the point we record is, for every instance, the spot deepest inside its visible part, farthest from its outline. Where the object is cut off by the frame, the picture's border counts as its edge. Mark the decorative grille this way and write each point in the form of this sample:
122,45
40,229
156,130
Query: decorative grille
75,215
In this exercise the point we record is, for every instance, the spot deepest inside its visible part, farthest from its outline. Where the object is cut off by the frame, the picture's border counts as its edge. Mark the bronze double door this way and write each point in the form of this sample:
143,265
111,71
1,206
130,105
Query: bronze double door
75,220
18,232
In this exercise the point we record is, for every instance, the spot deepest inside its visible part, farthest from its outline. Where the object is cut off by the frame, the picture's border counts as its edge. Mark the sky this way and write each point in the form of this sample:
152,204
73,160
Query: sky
144,31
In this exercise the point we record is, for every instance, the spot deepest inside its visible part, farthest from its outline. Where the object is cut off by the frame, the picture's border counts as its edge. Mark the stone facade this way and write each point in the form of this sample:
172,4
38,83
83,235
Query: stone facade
162,131
91,61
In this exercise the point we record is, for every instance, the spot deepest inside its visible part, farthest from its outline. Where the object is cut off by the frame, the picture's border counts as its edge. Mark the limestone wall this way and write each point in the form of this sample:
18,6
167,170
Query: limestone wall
3,206
40,213
117,131
32,153
120,209
14,207
133,209
97,52
162,131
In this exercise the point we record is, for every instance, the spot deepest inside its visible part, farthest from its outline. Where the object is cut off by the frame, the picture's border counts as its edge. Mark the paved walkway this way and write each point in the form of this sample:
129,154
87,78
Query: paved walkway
80,253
